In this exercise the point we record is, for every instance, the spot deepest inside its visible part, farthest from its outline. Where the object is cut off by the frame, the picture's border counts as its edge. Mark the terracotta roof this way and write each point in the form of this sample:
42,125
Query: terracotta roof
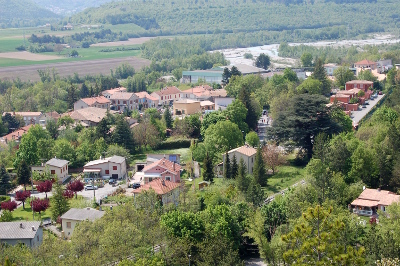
198,89
17,133
168,90
159,186
164,163
122,96
365,62
246,150
93,114
92,100
144,94
53,114
356,81
24,113
112,91
377,197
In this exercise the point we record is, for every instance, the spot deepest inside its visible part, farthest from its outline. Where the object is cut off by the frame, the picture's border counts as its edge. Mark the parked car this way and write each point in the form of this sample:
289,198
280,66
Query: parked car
90,187
135,185
112,181
380,93
364,106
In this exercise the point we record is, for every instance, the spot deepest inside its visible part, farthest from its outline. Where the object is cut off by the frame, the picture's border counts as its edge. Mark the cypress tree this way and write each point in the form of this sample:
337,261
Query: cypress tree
234,168
320,74
122,134
84,91
23,173
259,172
167,118
103,130
241,178
227,167
208,171
59,204
4,181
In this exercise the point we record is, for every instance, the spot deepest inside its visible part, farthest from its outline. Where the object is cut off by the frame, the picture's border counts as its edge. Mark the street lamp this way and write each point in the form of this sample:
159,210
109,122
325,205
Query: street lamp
189,258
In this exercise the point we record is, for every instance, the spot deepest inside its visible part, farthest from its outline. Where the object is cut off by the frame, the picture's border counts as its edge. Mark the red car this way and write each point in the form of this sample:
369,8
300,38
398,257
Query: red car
380,93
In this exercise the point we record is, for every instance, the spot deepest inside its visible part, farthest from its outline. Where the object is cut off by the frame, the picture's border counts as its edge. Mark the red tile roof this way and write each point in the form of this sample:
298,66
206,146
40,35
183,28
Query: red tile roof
159,186
365,62
356,81
168,91
16,134
100,99
112,91
164,163
144,94
375,197
246,150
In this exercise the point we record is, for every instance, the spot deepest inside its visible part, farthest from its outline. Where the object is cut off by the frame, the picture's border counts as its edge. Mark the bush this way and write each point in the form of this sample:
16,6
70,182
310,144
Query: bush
6,216
174,144
4,198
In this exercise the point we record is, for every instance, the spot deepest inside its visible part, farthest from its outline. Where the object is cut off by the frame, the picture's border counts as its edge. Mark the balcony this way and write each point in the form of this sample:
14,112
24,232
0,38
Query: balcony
363,212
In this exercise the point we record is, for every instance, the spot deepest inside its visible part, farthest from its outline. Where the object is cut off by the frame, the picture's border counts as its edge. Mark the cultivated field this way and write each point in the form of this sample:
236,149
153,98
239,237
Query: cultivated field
131,41
28,56
86,67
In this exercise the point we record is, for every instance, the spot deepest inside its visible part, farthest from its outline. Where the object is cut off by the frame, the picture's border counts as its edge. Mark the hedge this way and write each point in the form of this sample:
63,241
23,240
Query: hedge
4,198
174,144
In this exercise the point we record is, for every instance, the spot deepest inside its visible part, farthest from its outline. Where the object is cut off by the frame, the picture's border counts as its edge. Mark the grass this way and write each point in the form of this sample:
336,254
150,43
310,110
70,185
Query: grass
20,214
285,177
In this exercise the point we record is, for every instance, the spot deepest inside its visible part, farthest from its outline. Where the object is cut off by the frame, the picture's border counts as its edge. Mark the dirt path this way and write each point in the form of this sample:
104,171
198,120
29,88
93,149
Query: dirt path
87,67
29,56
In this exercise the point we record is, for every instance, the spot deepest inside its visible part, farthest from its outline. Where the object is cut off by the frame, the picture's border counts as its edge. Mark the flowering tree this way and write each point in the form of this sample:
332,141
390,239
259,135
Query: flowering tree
75,186
39,205
68,194
22,196
45,187
9,205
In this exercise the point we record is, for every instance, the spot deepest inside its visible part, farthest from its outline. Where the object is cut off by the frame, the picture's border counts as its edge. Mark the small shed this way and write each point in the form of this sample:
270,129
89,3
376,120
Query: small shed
204,184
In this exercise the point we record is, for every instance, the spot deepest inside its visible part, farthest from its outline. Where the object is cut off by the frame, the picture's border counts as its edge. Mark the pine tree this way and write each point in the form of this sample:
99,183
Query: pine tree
320,74
250,104
84,91
227,167
23,173
167,118
254,193
241,178
208,171
259,173
226,75
122,134
4,181
59,204
234,168
103,130
71,96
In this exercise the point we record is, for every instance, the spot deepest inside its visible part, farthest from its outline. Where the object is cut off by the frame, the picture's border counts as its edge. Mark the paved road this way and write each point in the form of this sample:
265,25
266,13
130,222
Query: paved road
358,115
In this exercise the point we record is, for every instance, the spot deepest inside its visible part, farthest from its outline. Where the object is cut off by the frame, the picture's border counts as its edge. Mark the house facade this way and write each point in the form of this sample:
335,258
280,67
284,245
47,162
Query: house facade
145,100
30,118
44,118
99,102
29,234
372,200
330,68
162,169
364,85
167,95
113,167
245,152
15,135
207,106
124,100
186,107
72,217
167,191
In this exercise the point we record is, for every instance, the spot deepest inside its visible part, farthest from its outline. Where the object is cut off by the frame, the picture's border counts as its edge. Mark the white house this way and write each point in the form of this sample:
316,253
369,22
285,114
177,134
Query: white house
99,102
28,233
221,103
74,216
28,117
124,100
245,152
146,100
114,167
167,95
56,167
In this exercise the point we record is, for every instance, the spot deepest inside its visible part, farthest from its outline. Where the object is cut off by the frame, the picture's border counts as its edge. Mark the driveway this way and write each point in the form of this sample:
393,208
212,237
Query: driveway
358,115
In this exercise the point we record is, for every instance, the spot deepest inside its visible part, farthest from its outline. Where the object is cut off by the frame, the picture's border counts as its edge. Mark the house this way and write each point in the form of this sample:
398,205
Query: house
372,200
145,100
151,158
196,92
366,64
167,191
162,169
124,100
99,102
186,107
108,93
114,167
22,232
28,117
56,167
72,217
330,68
15,135
44,118
221,103
207,106
246,152
90,116
167,95
365,85
384,65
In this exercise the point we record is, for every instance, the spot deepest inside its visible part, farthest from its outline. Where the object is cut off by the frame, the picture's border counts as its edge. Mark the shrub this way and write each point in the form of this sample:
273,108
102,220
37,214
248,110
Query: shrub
4,198
174,144
9,205
6,216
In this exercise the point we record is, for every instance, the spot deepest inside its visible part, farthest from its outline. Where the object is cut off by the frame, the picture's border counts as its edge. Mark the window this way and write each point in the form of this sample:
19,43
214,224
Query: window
168,178
53,172
61,171
131,102
107,172
124,102
66,167
150,179
37,238
68,224
161,97
114,167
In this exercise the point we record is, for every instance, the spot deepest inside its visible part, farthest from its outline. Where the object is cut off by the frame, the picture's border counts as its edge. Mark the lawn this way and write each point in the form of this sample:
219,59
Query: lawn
26,215
285,177
184,152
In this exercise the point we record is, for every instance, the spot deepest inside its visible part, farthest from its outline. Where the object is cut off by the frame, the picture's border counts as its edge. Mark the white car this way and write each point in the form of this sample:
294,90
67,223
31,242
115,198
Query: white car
90,187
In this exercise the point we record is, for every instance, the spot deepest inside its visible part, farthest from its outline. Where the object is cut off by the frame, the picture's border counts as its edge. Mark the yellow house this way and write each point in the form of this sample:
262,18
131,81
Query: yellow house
186,107
72,217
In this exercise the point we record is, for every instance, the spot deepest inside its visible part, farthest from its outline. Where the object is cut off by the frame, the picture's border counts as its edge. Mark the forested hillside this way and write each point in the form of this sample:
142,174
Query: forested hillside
19,13
68,7
215,16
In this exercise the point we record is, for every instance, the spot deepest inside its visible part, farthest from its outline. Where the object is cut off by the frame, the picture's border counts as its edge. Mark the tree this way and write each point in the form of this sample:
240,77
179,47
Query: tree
236,112
254,193
167,117
122,134
304,117
259,173
4,181
186,225
315,241
146,134
84,92
39,205
27,150
52,128
68,194
241,178
8,205
65,121
226,75
75,186
22,196
263,61
252,106
71,96
6,216
103,130
208,169
59,203
252,139
366,75
273,156
45,187
23,173
234,168
227,167
74,53
124,71
306,59
290,75
65,150
235,71
58,48
320,74
310,86
342,75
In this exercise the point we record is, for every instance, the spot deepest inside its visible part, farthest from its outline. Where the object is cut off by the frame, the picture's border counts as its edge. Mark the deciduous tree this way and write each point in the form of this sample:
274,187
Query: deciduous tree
39,205
8,205
23,173
22,196
273,156
45,187
252,139
75,186
59,202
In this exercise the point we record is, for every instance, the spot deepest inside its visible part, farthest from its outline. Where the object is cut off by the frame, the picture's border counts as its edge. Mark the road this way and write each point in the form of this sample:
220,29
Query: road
358,115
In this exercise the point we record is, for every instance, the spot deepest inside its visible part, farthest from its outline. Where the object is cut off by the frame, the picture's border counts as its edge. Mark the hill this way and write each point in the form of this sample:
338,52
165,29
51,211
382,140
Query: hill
167,17
69,7
23,13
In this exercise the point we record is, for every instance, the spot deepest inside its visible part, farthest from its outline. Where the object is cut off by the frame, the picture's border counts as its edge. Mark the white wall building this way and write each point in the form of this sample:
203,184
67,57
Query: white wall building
72,217
114,167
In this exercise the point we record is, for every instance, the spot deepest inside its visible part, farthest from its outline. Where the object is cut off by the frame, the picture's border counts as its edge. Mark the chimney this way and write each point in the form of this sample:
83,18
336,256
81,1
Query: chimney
21,226
363,188
163,182
379,189
174,165
33,228
88,208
